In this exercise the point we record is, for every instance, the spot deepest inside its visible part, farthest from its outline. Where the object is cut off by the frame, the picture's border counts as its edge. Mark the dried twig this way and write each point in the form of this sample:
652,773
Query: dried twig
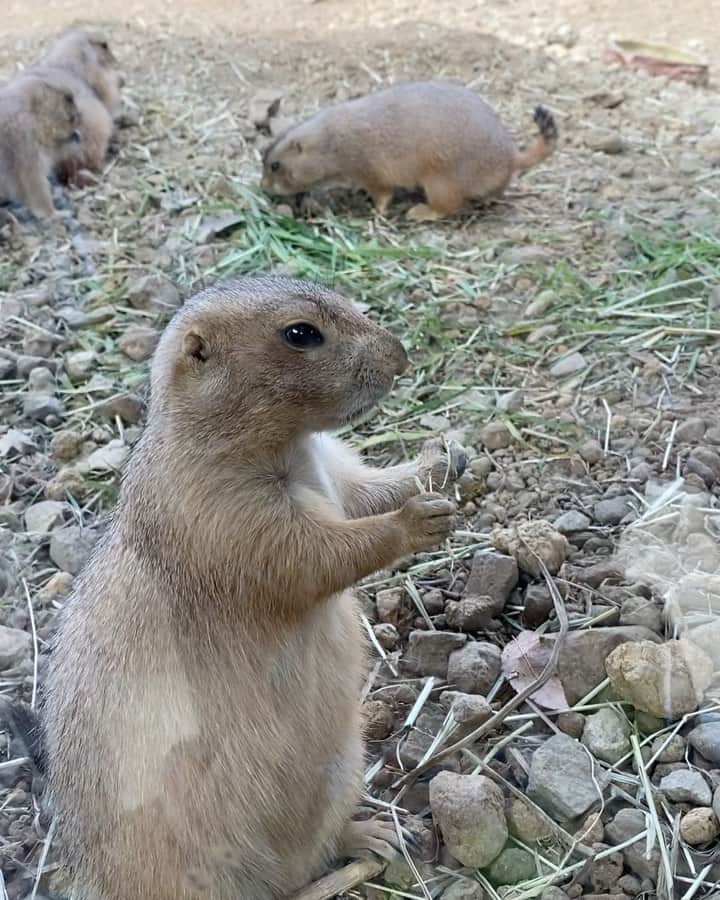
342,880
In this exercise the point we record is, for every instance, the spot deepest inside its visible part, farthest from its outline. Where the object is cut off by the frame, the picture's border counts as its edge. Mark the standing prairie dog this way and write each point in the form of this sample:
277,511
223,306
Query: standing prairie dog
202,713
87,55
38,125
433,135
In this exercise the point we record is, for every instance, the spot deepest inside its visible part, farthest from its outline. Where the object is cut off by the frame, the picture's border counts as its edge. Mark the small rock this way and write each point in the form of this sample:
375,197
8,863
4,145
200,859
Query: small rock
690,431
66,444
470,613
128,407
571,521
581,666
605,872
540,305
155,293
40,518
606,98
41,407
495,436
604,143
568,365
15,443
433,601
699,826
492,576
389,603
705,739
42,381
607,735
511,401
572,723
562,780
70,547
109,458
627,824
474,668
554,893
706,463
469,811
612,511
66,484
26,365
464,889
79,364
98,316
641,472
428,652
666,680
538,605
525,822
58,585
673,750
591,830
512,866
71,315
591,451
14,646
630,885
378,720
138,343
470,710
716,802
526,256
387,635
418,741
530,543
686,786
642,611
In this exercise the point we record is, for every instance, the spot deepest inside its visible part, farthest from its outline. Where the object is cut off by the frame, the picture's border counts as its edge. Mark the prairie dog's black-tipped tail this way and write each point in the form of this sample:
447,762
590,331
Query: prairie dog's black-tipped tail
27,728
545,144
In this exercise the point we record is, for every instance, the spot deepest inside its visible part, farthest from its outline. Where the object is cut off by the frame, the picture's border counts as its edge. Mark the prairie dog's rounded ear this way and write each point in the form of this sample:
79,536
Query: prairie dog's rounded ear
195,346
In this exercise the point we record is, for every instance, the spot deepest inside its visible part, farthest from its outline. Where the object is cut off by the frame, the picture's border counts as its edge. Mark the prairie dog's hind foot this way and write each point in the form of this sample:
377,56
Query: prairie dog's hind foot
421,212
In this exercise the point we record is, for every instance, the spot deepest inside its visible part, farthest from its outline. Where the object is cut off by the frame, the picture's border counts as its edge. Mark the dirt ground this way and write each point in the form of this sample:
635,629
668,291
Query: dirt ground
567,335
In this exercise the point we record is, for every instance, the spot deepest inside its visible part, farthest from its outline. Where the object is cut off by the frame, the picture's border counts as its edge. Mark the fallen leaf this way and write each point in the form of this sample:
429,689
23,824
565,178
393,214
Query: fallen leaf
523,661
216,226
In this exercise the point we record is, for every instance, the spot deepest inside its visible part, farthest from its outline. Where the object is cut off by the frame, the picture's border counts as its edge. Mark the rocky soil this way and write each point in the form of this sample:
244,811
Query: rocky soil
567,336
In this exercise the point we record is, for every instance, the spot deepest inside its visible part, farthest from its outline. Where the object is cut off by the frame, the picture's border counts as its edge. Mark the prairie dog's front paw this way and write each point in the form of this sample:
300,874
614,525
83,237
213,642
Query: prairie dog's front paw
427,520
372,838
441,463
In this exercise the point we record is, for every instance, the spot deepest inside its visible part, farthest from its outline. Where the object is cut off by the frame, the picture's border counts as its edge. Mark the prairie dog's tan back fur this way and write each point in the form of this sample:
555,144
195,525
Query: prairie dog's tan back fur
202,711
87,55
439,136
38,123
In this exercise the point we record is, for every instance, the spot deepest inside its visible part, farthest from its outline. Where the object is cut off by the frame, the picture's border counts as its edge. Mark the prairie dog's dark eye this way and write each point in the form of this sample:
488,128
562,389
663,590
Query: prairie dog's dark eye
105,45
303,336
275,167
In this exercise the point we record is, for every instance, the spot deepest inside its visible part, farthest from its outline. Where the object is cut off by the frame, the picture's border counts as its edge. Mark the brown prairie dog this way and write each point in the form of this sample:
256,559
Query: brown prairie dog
38,124
95,128
433,135
87,55
202,713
